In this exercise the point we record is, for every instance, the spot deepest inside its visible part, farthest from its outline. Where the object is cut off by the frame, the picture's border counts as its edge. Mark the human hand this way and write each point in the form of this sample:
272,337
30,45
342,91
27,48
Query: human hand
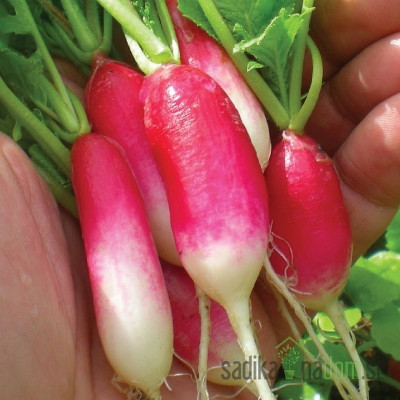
49,344
357,118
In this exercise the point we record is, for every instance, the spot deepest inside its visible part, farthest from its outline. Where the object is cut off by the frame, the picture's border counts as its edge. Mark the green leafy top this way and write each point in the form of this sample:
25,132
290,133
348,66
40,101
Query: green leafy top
267,40
75,30
36,108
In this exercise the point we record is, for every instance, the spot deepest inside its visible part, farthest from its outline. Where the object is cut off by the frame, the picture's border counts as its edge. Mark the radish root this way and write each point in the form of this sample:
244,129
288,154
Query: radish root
293,327
239,315
204,310
335,313
128,391
305,319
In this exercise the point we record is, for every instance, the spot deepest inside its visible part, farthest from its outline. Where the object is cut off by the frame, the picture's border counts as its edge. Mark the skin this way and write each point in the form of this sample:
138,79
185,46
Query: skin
49,344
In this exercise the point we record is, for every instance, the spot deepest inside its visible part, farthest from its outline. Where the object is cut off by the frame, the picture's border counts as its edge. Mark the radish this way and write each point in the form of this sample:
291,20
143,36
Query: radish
311,244
202,51
225,358
215,188
129,293
114,110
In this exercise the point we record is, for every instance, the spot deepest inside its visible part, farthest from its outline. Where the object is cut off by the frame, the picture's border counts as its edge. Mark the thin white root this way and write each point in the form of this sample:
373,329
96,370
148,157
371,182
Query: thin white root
239,316
229,396
335,313
187,364
300,312
128,391
296,334
204,310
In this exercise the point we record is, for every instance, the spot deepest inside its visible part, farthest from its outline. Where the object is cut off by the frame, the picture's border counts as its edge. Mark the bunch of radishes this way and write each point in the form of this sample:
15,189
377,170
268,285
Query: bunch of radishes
184,129
173,171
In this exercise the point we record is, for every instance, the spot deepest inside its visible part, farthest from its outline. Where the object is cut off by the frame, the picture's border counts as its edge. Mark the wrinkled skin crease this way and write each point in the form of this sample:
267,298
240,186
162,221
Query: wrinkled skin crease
49,343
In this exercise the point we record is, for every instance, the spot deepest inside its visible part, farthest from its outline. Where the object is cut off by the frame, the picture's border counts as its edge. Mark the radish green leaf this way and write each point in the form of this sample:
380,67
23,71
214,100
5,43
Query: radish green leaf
374,282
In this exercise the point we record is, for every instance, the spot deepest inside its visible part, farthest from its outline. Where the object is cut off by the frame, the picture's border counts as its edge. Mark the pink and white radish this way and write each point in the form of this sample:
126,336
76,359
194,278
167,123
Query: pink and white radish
114,110
312,241
215,188
311,246
200,50
129,293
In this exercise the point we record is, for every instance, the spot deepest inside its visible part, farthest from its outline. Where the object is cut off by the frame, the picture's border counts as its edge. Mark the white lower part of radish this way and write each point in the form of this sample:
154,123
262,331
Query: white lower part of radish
242,268
131,314
130,298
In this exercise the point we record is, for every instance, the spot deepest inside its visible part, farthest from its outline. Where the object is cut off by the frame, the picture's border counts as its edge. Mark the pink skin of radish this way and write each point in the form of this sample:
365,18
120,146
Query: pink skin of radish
223,347
311,248
114,110
129,293
200,50
312,242
215,188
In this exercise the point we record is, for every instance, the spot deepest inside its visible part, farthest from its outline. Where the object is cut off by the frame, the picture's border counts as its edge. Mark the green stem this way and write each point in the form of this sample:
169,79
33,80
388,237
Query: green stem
106,45
50,144
82,128
296,76
58,184
45,110
66,116
84,35
59,42
124,12
84,125
264,93
42,48
55,13
298,123
282,87
145,65
168,29
62,37
67,125
92,16
65,42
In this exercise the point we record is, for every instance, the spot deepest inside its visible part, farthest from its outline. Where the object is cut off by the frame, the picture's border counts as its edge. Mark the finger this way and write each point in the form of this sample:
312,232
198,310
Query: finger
343,28
368,165
354,91
36,321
